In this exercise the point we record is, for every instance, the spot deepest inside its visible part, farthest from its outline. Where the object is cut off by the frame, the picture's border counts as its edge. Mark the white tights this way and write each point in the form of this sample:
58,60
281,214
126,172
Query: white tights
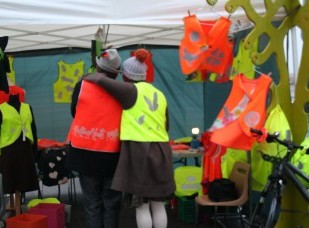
157,217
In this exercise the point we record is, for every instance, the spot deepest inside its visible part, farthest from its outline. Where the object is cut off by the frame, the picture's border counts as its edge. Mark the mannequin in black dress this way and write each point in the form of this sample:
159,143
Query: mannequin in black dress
17,163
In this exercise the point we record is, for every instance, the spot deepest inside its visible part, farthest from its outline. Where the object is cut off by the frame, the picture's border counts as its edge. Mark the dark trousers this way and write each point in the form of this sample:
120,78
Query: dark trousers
101,203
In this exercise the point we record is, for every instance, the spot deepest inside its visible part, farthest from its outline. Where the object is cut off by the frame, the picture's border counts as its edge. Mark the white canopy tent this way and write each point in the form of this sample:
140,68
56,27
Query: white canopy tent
36,24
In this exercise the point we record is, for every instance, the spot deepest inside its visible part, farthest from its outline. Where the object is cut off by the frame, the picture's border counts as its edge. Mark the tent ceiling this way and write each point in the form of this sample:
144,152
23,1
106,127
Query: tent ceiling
31,37
36,24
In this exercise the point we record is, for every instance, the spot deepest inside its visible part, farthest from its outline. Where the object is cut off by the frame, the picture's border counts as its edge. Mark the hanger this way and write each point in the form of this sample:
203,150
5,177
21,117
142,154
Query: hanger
255,68
210,10
105,39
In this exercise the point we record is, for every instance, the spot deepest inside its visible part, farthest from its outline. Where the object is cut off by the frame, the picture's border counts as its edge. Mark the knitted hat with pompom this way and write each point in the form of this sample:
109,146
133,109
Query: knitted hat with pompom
135,67
109,60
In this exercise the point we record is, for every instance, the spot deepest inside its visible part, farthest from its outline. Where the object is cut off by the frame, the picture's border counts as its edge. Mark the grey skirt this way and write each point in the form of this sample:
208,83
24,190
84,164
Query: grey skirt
145,170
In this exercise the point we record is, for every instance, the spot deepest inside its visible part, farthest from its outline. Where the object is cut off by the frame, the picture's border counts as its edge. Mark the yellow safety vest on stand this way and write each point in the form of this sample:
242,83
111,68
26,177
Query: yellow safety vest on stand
14,123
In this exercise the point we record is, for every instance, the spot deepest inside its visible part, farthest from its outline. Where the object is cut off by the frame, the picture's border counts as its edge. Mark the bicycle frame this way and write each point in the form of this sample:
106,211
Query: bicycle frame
283,169
275,185
293,174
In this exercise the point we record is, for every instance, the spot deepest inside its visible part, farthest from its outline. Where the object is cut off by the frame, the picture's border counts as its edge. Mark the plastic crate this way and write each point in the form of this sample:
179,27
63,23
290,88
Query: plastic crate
27,221
186,209
55,213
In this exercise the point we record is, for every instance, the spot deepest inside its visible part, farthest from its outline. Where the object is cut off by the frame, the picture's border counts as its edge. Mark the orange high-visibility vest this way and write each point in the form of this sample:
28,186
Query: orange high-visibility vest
220,48
96,124
245,108
192,46
199,51
211,162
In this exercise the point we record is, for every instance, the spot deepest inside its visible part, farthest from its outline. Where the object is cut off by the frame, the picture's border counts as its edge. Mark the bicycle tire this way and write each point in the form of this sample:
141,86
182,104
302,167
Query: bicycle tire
274,195
265,215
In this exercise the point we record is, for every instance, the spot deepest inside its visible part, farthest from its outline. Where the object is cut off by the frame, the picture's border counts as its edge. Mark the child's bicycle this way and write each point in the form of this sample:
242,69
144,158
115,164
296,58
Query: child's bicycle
283,169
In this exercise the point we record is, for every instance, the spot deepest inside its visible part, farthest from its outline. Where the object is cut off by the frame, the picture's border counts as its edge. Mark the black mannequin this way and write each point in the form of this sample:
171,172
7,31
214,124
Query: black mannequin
14,199
14,101
4,65
18,156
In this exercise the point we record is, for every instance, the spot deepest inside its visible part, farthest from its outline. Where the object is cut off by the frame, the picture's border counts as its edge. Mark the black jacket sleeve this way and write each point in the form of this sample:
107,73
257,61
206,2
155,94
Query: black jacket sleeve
75,95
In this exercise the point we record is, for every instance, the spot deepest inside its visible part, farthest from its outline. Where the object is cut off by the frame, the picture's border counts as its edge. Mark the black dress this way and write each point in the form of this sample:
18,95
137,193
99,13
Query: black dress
17,164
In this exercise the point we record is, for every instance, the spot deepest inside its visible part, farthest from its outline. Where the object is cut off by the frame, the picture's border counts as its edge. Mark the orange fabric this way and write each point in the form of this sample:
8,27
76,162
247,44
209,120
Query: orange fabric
180,147
192,46
13,89
209,51
244,108
4,97
220,48
215,163
206,25
150,68
211,162
96,124
48,143
221,78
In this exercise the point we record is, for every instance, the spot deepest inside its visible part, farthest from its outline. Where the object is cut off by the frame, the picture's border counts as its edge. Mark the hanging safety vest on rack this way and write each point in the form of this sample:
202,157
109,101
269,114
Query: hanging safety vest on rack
261,169
301,160
69,75
200,51
245,108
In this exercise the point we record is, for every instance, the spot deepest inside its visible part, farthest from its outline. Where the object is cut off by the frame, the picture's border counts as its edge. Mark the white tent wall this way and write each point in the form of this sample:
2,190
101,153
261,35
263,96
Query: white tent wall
36,24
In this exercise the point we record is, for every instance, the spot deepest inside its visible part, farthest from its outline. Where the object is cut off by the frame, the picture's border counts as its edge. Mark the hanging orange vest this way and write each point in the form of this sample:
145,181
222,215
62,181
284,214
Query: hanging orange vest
199,51
97,120
245,108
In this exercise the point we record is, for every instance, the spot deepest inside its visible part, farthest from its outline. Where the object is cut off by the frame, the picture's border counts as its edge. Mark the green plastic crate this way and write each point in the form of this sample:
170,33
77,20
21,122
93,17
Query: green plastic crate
186,209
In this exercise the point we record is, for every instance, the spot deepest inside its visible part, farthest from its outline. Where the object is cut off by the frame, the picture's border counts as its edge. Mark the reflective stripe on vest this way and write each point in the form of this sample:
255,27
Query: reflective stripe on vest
188,180
146,120
14,123
97,120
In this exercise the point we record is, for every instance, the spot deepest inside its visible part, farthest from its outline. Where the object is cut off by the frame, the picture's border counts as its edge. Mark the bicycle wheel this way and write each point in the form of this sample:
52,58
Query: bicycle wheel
274,198
256,220
266,212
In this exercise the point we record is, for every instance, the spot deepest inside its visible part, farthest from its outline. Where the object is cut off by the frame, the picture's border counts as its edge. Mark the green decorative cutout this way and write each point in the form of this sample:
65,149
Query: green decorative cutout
296,15
211,2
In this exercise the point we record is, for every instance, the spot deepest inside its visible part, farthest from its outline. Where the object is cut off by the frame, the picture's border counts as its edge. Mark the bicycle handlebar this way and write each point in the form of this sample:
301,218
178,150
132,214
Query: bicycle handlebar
274,138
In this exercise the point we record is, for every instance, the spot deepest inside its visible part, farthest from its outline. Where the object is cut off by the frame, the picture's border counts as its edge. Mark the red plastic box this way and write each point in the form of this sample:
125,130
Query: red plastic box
55,214
27,221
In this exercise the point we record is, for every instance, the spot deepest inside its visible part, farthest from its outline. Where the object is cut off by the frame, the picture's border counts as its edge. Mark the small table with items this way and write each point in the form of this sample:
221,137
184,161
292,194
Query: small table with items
183,155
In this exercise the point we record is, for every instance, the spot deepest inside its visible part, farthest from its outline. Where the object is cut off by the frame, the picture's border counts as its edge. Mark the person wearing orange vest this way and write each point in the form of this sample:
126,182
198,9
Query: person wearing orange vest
145,168
95,145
